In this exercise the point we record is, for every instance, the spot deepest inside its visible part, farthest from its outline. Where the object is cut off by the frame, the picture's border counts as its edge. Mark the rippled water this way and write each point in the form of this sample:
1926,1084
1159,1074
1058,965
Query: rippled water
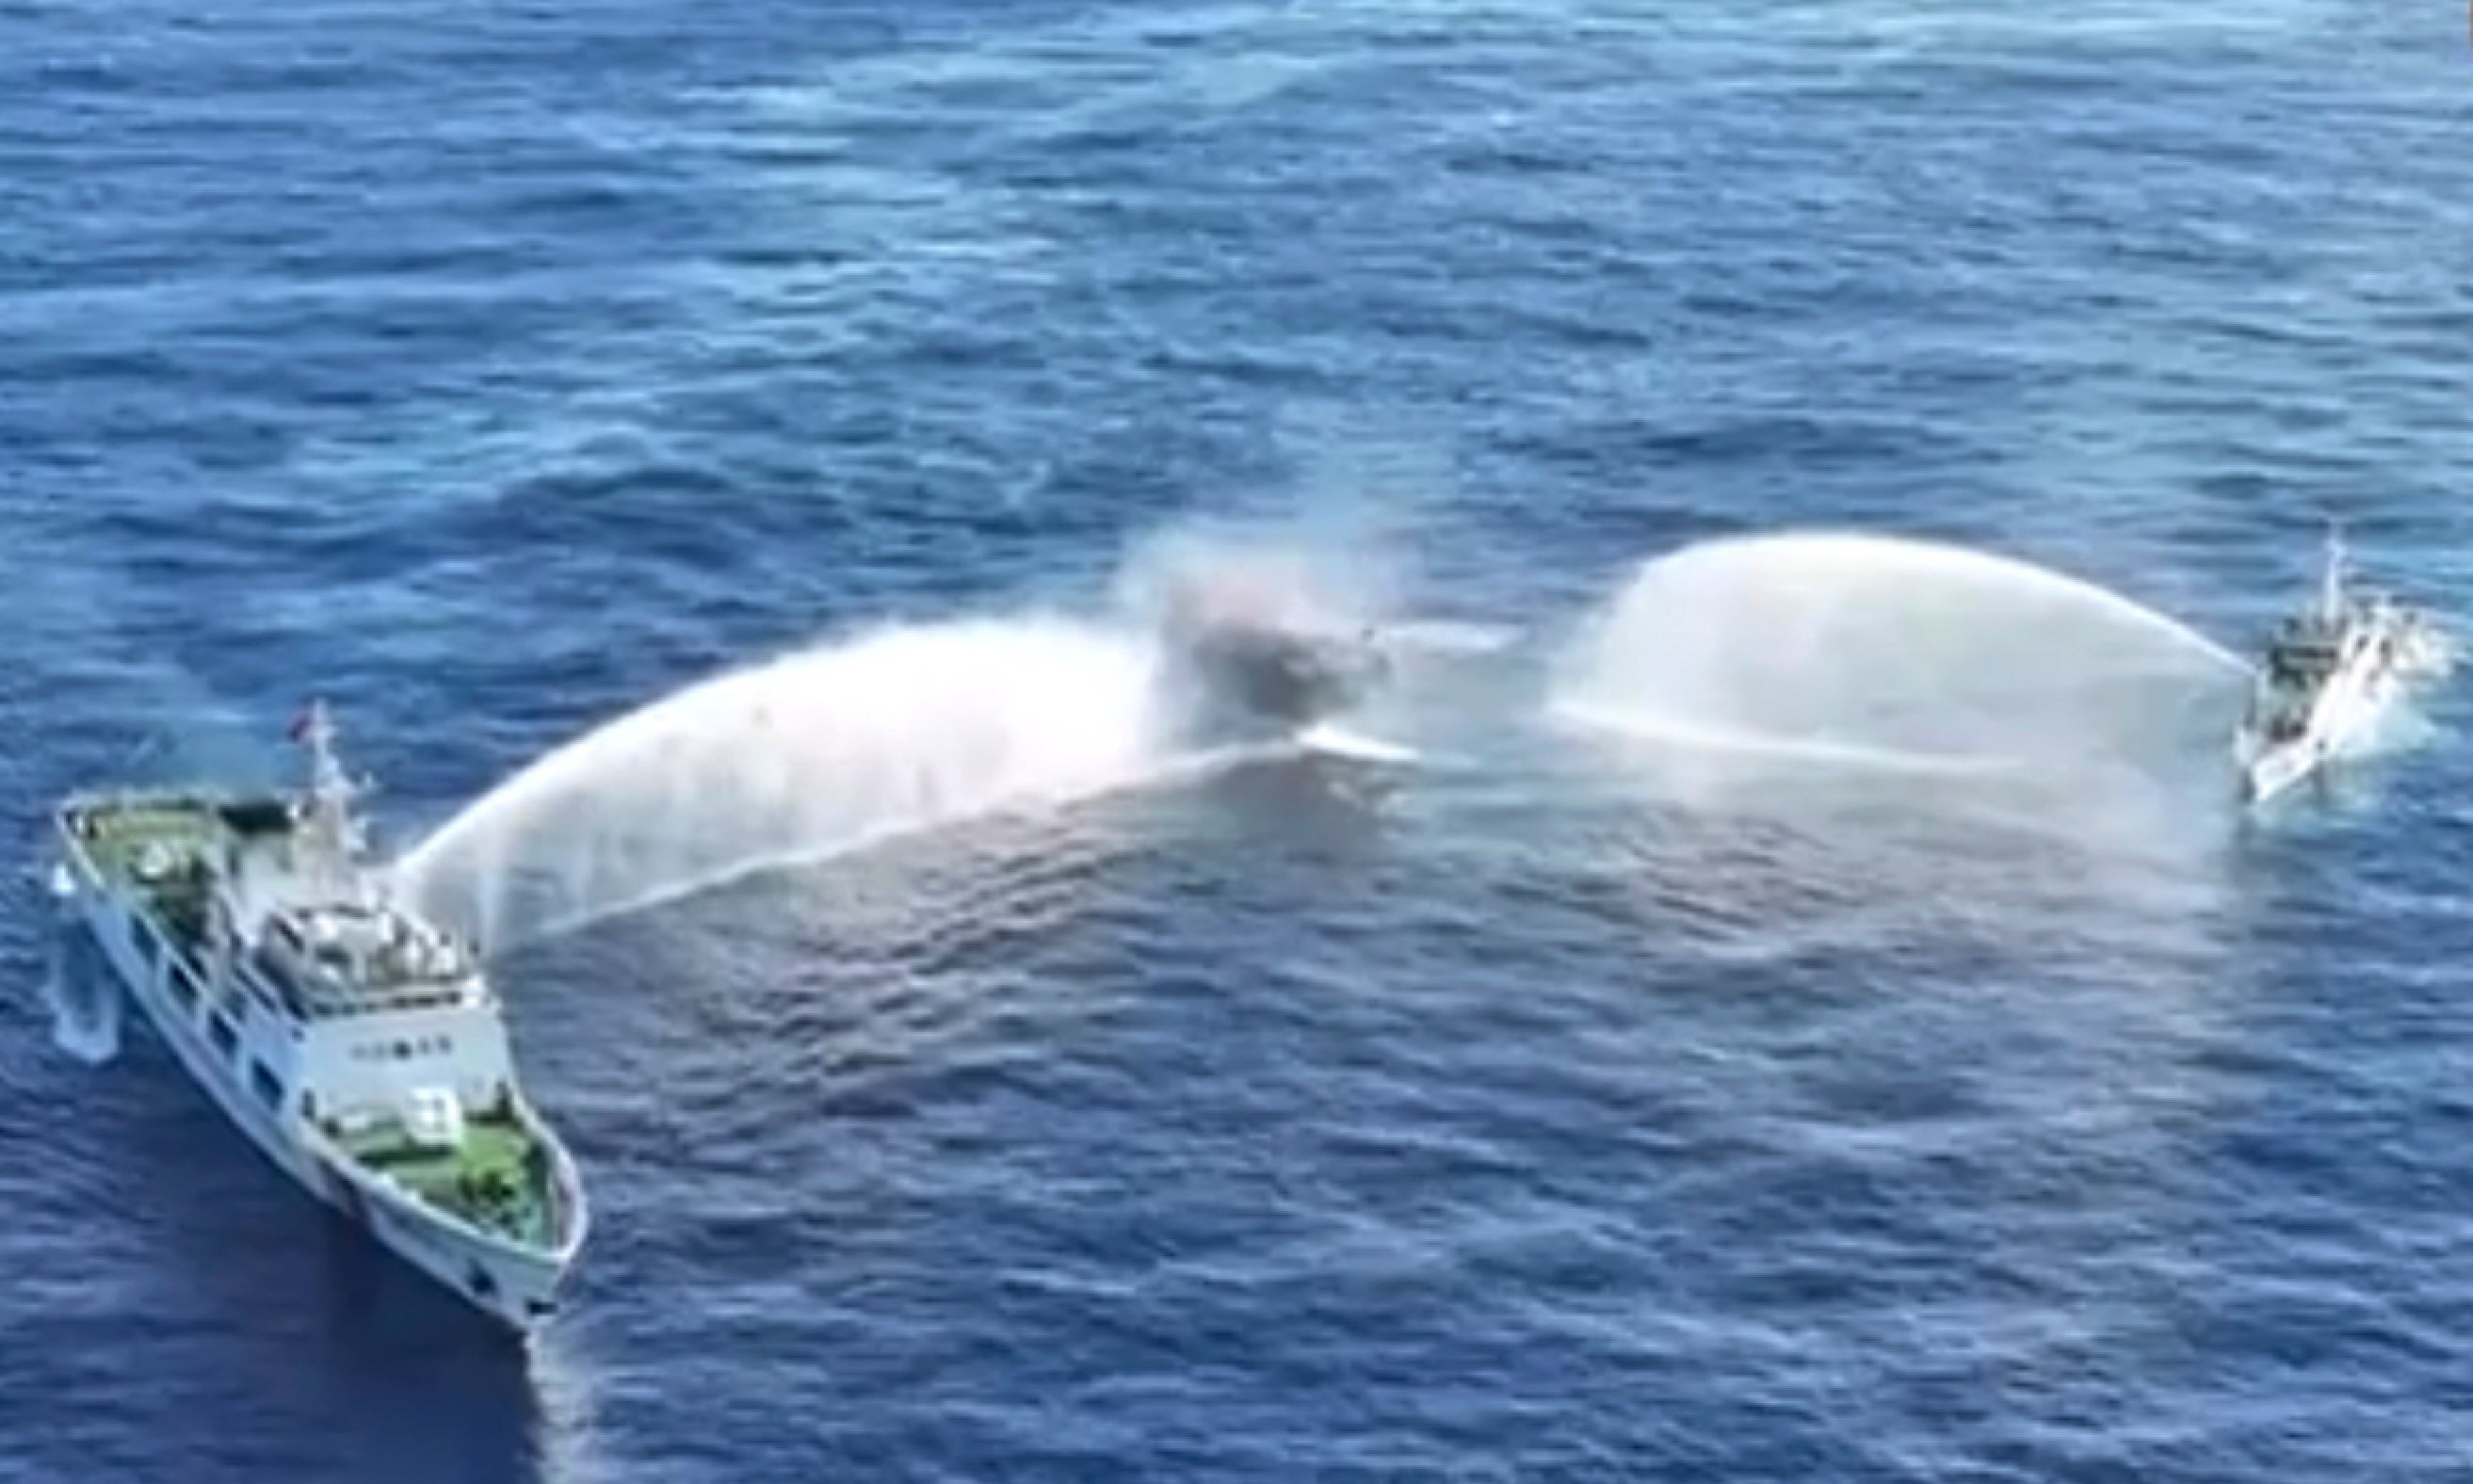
498,370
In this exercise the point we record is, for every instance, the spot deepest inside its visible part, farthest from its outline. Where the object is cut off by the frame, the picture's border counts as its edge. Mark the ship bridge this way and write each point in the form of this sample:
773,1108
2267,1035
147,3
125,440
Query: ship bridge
352,957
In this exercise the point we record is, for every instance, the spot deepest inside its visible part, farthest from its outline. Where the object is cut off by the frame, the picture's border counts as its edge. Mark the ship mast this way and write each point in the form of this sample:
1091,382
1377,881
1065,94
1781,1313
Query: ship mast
2331,582
333,835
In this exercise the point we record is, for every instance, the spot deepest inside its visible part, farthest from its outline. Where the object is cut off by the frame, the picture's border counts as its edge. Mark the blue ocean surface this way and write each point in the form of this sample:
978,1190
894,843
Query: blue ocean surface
1534,1108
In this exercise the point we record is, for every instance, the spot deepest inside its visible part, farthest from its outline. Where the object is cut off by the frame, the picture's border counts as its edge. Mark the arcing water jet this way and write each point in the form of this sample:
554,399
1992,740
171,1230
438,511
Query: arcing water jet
1836,652
819,751
857,740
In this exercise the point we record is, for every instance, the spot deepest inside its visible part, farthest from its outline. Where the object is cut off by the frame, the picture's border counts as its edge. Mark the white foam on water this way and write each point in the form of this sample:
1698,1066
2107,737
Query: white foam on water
1331,740
86,1007
1449,636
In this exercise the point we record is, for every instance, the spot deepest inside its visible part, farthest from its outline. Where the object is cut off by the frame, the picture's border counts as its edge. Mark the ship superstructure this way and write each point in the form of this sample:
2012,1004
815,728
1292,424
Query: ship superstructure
2330,673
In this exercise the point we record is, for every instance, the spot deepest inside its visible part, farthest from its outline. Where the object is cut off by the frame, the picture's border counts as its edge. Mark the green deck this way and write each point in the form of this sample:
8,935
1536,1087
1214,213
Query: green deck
498,1179
116,841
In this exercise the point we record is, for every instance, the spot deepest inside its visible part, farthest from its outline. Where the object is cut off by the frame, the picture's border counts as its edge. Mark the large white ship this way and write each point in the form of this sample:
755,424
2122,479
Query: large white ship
358,1045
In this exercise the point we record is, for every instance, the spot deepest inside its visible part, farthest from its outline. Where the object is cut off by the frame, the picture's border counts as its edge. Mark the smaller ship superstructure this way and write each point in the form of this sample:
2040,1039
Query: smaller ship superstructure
1252,656
358,1045
2331,671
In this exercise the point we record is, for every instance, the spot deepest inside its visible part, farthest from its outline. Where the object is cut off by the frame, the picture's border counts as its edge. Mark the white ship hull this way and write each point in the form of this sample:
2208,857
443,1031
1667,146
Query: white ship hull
2342,721
510,1284
2329,679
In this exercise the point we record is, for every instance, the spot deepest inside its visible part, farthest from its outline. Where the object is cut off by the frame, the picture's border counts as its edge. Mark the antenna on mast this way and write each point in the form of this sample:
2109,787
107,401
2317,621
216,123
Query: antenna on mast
330,792
2331,582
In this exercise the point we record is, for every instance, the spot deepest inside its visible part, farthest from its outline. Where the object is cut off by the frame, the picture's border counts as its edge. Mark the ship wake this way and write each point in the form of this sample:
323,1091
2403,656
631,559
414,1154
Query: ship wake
82,997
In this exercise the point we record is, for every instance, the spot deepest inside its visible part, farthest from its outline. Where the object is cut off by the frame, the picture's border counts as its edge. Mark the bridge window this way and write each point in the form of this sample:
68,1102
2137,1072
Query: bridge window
402,1050
219,1031
184,989
262,1082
